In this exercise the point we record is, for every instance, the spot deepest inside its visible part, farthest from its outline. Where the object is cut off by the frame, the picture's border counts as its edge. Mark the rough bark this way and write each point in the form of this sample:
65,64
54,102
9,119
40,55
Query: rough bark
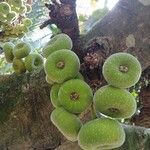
143,119
127,25
24,99
24,113
64,15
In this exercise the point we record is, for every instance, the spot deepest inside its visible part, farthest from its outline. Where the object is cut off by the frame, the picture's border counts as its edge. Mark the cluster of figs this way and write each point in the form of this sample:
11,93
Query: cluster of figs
71,95
14,22
22,57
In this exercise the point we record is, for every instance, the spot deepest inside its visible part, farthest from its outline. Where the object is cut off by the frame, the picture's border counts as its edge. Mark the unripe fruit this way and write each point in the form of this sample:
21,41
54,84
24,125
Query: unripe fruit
22,9
100,134
21,50
15,3
34,62
58,42
3,17
67,123
54,95
122,70
48,80
8,51
62,65
79,76
27,22
29,8
19,66
115,102
11,16
75,96
4,8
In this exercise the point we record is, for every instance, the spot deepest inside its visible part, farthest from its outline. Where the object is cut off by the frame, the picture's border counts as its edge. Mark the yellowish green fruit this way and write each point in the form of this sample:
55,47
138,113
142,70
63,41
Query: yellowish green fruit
15,3
22,28
67,123
20,35
115,102
100,134
11,16
15,9
22,9
3,17
54,95
4,8
79,76
75,95
58,42
8,51
48,80
18,66
122,70
62,65
25,29
27,22
34,62
22,50
29,8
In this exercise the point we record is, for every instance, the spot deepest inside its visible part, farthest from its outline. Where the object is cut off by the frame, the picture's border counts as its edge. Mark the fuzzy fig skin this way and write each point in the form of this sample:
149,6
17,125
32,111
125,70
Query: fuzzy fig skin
115,102
54,95
8,51
4,8
18,66
100,134
62,65
58,42
48,80
67,123
75,96
122,70
21,50
34,62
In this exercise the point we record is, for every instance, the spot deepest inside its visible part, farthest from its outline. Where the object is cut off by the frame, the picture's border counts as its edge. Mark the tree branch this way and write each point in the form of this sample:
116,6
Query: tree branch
64,16
46,23
128,27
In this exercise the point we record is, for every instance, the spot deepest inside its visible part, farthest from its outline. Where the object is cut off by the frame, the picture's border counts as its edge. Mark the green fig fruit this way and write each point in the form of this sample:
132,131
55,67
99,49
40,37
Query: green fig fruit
48,80
29,8
115,102
54,95
21,50
18,66
62,65
100,134
4,8
34,62
122,70
27,22
75,96
67,123
58,42
11,16
8,51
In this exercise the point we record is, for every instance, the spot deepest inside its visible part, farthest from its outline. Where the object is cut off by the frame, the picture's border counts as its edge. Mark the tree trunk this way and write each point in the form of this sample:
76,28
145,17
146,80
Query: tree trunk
24,99
143,119
127,25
